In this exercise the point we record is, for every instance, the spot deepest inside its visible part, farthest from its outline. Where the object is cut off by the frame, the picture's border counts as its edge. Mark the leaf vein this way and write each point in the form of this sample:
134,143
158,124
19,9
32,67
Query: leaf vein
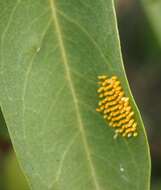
28,71
68,74
89,37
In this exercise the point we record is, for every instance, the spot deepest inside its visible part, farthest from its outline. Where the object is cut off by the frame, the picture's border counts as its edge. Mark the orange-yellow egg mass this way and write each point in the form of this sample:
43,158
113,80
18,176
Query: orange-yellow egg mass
115,107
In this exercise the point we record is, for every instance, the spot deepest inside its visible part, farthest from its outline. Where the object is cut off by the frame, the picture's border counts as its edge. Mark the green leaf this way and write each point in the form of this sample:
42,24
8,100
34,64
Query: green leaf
51,54
152,9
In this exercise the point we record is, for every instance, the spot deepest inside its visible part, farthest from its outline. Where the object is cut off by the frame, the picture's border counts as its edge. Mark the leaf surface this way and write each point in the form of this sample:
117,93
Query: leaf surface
51,54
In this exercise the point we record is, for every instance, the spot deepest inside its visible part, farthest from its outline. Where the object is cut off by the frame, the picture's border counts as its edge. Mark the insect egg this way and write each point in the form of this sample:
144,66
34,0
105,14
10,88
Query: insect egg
115,107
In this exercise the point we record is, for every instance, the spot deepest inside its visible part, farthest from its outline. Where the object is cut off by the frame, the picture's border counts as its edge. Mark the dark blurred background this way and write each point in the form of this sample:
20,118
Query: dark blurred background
142,59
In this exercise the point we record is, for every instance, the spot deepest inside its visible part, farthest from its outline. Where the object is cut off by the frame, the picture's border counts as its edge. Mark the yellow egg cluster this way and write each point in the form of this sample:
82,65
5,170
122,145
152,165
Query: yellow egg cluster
115,107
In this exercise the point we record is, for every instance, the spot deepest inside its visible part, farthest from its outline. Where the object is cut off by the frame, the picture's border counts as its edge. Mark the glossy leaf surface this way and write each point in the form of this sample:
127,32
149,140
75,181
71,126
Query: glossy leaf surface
51,54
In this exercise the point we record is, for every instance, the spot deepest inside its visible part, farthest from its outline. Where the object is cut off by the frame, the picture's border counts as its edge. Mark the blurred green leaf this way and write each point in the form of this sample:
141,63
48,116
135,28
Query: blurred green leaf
3,127
13,177
153,11
51,55
156,185
1,180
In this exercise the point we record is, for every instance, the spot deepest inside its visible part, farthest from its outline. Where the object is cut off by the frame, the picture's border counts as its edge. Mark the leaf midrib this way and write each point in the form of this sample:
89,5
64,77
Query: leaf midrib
69,78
